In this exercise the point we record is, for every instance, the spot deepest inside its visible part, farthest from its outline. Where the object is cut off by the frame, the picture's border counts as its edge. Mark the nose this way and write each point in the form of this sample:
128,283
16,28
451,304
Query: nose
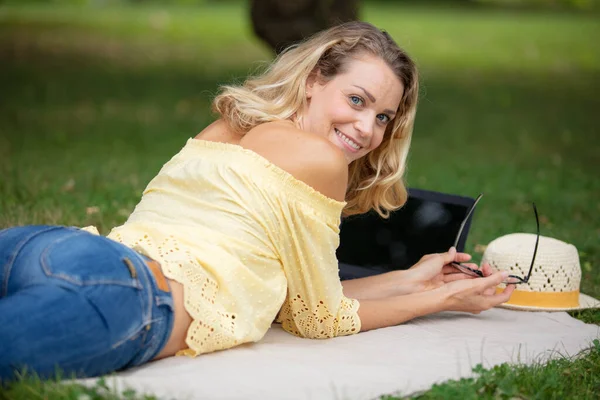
365,125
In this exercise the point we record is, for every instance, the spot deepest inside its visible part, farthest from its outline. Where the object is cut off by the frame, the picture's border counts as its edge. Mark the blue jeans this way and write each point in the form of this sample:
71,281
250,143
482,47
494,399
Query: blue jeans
76,303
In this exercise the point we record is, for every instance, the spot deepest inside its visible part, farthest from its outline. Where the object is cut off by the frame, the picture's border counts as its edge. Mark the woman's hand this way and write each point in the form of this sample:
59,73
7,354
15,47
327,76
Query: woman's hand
476,295
434,270
431,285
468,295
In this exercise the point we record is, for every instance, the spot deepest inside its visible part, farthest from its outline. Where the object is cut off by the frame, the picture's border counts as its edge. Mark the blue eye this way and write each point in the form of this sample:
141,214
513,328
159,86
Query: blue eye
357,101
383,118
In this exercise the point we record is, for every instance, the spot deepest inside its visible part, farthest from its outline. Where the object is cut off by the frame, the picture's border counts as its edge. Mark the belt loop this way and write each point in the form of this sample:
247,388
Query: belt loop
131,267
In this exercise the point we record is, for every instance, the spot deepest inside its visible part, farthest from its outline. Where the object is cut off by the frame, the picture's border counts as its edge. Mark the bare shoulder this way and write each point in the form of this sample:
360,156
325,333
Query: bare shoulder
308,157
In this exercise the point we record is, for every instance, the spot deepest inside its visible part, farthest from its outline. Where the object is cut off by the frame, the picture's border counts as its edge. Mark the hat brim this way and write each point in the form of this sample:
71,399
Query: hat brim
585,302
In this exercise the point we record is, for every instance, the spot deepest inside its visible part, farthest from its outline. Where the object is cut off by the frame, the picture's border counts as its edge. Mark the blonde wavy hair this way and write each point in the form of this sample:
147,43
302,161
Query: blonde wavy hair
376,180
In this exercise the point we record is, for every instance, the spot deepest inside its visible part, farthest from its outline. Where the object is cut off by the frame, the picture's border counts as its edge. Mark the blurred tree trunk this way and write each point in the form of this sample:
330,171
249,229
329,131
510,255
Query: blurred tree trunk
281,23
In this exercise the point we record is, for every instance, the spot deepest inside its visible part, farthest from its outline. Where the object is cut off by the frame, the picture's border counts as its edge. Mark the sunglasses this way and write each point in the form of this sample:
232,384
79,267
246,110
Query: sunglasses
512,279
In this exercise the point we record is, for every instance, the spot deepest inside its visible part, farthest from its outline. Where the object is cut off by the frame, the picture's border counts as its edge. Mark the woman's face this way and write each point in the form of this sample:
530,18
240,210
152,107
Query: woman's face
354,108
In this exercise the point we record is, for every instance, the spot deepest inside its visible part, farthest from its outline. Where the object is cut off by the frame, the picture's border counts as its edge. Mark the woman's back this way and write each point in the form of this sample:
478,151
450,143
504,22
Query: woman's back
219,219
308,157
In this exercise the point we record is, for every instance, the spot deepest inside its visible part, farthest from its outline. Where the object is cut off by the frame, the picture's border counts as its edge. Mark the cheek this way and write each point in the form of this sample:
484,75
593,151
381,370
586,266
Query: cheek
377,139
335,104
328,107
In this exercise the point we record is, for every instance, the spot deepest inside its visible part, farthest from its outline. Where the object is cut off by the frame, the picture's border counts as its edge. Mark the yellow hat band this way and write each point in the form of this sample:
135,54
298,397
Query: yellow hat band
543,299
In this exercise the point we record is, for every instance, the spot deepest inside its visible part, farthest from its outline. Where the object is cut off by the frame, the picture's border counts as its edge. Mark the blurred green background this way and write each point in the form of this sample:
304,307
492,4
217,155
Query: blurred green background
95,95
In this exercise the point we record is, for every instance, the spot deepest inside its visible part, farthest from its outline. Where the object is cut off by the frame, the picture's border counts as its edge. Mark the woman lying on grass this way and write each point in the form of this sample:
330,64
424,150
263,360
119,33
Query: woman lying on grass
240,228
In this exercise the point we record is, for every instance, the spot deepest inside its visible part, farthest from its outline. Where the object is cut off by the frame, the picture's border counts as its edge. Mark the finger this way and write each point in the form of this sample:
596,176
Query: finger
450,269
462,257
448,256
490,291
467,269
453,267
492,269
457,276
486,269
471,265
493,280
501,297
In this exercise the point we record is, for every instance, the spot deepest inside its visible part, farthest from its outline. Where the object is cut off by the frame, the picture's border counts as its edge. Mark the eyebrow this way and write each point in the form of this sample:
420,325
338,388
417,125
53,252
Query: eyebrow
372,98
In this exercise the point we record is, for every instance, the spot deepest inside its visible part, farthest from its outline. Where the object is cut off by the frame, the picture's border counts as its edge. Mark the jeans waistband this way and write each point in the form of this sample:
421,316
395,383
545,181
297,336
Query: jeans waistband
159,318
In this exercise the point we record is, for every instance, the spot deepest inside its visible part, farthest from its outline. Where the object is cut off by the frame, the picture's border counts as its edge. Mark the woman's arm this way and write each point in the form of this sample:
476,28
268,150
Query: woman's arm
427,274
469,295
379,286
390,311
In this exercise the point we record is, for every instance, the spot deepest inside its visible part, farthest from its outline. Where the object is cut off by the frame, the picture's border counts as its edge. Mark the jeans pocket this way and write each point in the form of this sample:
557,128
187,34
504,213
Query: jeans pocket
85,259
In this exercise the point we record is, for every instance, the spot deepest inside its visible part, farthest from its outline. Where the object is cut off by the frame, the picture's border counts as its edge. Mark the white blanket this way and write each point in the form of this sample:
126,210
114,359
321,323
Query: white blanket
399,360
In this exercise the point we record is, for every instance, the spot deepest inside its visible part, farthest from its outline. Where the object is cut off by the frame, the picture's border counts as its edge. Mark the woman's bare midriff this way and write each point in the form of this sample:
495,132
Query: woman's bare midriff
181,323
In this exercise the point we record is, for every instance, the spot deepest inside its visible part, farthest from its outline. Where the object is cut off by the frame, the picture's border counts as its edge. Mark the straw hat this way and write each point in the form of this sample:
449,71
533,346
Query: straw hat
556,275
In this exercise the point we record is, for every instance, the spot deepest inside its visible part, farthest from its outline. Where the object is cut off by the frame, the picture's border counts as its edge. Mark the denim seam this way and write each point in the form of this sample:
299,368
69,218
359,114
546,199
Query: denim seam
45,266
145,347
112,348
138,331
146,309
141,355
143,271
16,251
151,346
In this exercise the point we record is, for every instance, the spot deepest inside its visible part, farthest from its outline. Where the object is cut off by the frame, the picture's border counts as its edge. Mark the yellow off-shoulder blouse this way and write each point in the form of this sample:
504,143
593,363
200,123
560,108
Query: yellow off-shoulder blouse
250,244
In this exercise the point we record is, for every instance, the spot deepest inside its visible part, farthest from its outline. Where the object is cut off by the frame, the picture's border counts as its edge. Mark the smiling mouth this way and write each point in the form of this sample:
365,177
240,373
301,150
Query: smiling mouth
347,140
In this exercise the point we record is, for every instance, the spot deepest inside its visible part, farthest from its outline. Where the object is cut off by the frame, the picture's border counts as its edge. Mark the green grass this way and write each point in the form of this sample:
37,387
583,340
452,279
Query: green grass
94,101
33,388
554,380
